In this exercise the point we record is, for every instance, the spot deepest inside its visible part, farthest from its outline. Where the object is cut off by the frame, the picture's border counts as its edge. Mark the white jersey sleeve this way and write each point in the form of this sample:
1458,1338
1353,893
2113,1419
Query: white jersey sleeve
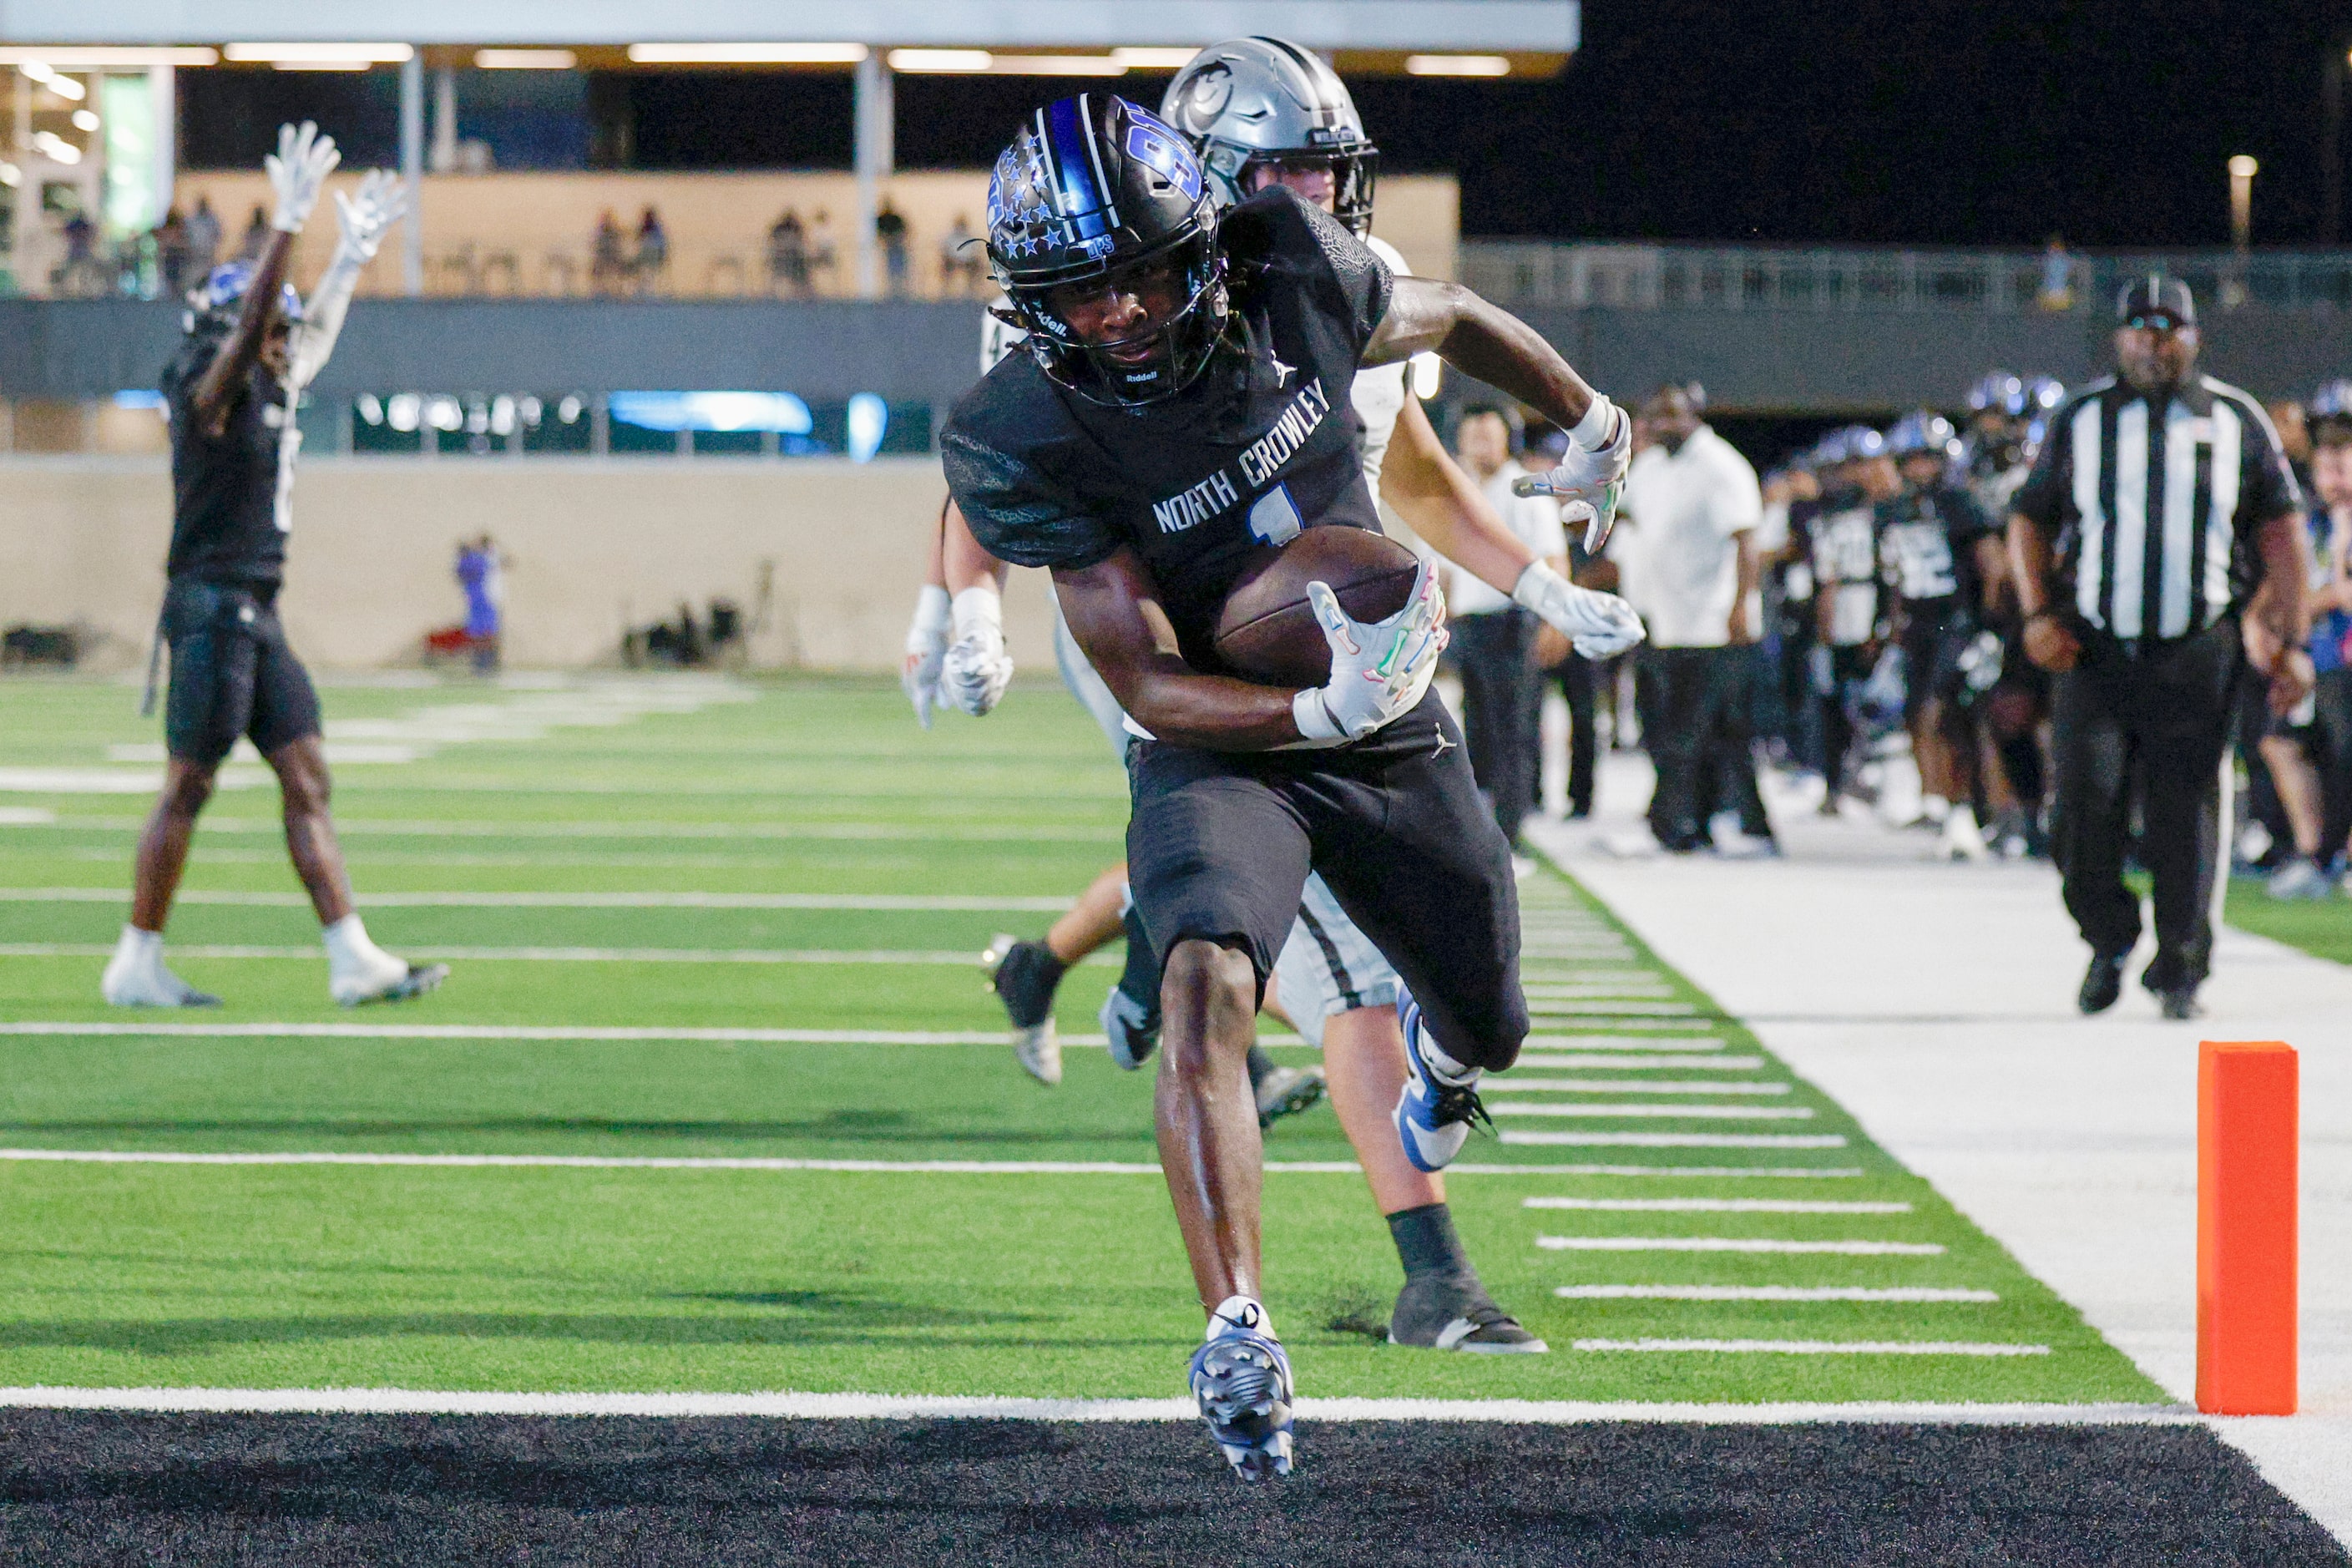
1379,391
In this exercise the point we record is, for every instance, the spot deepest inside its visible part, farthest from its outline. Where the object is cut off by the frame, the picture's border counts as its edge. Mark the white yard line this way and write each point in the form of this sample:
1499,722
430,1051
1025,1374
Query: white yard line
1667,1140
1900,1293
1713,1203
1673,1112
1737,1244
1812,1347
927,902
850,831
917,1407
962,958
1629,1009
1624,1043
1628,1063
1637,1085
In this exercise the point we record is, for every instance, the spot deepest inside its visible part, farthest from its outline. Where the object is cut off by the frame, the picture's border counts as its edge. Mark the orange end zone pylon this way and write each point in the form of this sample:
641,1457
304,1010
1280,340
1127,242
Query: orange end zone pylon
2248,1130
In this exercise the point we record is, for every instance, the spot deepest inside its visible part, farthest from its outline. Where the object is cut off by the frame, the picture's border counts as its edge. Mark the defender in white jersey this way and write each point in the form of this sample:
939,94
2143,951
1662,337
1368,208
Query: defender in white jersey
1262,111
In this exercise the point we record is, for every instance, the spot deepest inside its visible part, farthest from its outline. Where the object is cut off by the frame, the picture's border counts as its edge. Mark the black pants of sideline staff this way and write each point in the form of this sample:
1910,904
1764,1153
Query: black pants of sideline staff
2153,718
1701,738
1494,654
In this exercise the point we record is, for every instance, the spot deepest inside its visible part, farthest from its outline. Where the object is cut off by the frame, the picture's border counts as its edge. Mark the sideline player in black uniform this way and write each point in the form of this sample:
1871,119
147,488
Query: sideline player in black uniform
231,391
1929,538
1180,407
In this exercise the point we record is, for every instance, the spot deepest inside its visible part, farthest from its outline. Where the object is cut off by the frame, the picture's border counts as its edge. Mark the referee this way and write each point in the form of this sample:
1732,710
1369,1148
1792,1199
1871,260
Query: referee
2158,560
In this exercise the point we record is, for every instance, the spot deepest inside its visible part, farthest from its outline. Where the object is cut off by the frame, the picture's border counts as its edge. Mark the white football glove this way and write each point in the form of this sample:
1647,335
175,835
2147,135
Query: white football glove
298,174
927,649
1590,478
363,219
977,669
1599,625
1378,669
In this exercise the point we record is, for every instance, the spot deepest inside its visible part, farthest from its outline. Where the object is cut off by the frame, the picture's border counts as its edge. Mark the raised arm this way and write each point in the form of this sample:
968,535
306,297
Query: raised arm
361,223
216,390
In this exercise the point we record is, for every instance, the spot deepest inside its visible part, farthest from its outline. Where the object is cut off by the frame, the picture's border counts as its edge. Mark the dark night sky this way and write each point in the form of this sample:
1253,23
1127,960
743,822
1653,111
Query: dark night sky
1933,122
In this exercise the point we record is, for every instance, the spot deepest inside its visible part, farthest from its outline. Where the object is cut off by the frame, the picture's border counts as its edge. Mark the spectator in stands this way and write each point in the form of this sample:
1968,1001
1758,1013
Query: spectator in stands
2057,276
204,238
257,234
170,239
788,257
890,233
961,259
651,267
79,274
1495,639
2310,749
608,261
1695,504
824,255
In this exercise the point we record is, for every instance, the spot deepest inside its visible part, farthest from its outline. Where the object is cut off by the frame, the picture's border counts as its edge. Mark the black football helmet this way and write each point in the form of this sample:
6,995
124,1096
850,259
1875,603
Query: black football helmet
1095,187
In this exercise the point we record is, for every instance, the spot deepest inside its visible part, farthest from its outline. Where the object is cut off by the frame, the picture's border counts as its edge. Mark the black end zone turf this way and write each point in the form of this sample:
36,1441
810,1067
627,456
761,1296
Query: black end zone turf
435,1491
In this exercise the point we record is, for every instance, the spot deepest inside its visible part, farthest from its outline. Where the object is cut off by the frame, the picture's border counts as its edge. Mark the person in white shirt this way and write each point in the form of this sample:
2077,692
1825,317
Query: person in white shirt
1693,572
1494,639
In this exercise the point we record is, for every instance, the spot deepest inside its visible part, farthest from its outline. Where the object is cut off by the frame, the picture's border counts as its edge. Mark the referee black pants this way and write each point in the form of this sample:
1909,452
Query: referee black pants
2155,719
1494,654
1701,742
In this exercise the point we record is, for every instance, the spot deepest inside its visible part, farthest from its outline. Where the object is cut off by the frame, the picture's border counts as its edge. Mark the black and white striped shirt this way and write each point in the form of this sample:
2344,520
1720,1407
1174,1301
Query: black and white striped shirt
2155,516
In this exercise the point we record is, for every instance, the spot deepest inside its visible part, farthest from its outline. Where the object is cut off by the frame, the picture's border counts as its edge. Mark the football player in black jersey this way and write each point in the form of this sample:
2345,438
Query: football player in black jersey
1174,413
1929,538
231,391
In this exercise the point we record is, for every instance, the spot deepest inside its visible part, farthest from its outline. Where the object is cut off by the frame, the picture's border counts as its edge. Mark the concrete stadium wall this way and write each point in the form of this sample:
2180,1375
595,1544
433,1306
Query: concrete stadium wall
595,545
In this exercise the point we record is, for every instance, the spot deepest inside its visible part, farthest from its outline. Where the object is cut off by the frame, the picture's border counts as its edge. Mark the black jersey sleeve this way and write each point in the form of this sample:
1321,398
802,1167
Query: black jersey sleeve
2045,495
1017,513
1277,233
1966,520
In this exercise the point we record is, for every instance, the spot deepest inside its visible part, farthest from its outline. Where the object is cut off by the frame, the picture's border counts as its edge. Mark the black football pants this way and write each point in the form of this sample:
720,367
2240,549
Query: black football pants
2155,718
1494,654
1221,842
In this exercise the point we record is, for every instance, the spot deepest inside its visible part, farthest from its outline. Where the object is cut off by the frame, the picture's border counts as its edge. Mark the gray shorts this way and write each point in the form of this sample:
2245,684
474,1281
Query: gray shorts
1328,966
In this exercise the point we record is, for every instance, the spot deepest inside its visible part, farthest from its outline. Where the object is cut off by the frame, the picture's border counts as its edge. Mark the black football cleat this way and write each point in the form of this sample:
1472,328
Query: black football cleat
2101,983
1025,976
1454,1312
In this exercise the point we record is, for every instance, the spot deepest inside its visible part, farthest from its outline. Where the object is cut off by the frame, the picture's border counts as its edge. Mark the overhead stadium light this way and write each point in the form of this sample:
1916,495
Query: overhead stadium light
746,54
65,87
85,56
1456,64
1154,60
940,60
525,59
347,57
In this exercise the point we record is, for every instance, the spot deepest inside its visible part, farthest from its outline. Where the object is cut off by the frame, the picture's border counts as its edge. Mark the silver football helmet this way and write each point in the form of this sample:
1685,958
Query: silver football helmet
1248,102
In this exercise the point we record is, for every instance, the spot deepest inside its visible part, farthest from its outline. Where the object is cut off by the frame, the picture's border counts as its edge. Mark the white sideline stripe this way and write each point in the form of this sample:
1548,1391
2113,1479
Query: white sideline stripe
1813,1347
1573,991
1713,1203
1620,1043
1629,1009
581,1033
1922,1294
551,954
902,1407
1638,1085
1623,1064
1675,1112
941,903
1824,1172
1736,1244
850,830
1674,1140
764,1163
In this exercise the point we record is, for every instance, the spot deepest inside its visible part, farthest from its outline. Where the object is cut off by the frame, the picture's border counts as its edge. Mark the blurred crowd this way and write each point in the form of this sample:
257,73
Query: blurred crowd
1848,619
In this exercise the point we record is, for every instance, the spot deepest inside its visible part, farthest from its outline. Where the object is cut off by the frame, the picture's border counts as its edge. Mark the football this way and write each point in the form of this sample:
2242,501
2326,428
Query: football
1266,629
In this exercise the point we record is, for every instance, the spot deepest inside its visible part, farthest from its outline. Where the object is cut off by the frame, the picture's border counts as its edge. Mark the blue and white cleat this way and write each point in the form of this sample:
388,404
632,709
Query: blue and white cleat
1242,1379
1434,1113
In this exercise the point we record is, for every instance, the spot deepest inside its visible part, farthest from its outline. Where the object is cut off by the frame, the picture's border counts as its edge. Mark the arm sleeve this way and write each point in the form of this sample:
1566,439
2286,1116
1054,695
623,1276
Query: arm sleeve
1018,515
2043,497
323,312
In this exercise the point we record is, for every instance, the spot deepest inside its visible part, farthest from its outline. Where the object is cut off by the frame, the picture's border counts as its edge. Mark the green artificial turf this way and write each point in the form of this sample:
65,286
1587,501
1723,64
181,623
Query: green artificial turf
2322,927
901,1280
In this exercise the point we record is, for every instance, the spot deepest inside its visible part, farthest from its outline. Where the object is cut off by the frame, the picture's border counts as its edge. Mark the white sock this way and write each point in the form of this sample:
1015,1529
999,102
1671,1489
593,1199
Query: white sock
1445,1068
348,950
1238,1311
138,948
1935,809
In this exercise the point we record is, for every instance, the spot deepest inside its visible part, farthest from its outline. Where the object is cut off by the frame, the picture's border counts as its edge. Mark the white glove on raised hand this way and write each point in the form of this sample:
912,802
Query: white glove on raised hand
1378,669
927,649
977,669
1599,625
1592,474
382,201
298,174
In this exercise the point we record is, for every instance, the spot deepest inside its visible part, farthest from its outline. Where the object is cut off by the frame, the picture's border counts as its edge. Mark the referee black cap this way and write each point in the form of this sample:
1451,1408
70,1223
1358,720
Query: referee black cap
2152,297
